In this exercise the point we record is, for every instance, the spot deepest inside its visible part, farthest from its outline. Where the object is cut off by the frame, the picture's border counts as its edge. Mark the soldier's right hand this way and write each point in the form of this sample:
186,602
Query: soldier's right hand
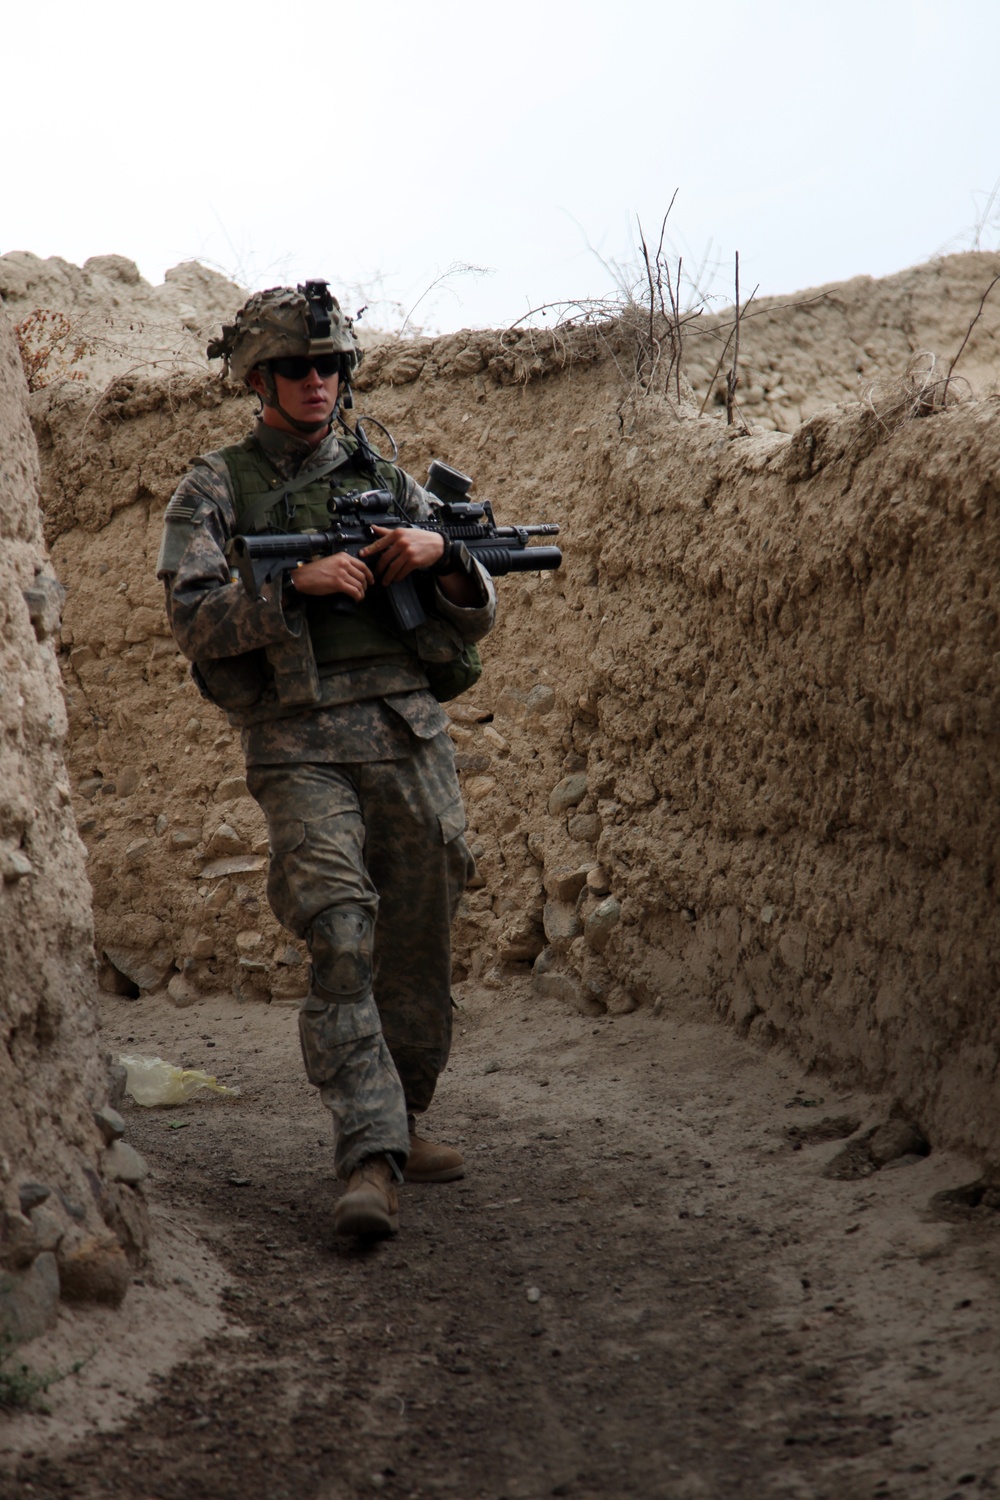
338,574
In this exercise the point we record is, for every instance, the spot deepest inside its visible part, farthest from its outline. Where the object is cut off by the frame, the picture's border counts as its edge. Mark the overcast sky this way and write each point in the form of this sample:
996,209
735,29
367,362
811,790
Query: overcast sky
388,144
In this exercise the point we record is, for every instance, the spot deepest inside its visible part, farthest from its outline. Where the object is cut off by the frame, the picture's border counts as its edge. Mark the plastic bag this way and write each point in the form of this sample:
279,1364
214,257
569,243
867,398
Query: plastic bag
152,1081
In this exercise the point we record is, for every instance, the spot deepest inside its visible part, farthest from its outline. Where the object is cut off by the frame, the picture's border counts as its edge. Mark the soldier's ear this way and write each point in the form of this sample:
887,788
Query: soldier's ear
255,381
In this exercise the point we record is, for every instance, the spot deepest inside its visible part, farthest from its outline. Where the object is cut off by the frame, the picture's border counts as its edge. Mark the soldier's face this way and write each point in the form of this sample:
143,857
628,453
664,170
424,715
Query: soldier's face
309,400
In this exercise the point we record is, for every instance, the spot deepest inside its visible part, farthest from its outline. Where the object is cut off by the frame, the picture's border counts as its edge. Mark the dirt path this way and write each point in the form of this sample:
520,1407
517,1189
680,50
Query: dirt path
641,1287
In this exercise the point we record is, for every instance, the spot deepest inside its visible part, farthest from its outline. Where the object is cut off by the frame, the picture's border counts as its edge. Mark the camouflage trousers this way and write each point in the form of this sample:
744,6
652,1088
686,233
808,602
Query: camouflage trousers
368,864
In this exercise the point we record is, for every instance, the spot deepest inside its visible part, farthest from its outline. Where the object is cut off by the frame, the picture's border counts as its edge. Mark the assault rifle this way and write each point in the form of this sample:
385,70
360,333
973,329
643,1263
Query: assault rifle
266,557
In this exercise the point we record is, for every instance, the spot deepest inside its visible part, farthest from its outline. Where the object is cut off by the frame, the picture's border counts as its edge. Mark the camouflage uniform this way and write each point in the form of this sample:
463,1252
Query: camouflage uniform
356,777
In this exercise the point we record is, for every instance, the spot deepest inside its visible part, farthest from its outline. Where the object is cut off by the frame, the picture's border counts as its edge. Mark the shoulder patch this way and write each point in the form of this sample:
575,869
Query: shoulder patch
182,508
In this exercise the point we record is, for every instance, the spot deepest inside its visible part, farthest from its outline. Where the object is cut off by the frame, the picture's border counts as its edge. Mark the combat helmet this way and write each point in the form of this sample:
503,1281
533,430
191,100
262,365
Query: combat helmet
282,321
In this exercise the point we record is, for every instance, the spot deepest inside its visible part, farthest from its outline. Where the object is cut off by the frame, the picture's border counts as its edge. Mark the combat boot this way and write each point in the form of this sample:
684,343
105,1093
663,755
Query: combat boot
429,1162
370,1204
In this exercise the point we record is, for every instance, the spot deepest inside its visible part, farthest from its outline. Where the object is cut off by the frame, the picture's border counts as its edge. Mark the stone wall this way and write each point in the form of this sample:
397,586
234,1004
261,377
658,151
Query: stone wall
68,1219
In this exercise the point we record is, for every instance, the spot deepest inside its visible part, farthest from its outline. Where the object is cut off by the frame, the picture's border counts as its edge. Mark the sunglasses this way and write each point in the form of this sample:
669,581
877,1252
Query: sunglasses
297,366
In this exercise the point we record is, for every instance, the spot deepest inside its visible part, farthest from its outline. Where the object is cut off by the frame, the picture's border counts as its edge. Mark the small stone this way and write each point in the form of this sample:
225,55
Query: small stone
184,838
49,1228
203,946
128,780
598,881
182,992
90,786
534,1294
567,793
117,1079
29,1299
136,852
32,1194
585,828
465,760
248,941
110,1123
536,846
290,957
14,863
496,740
162,824
492,1067
45,600
238,864
601,923
621,1003
225,841
545,961
565,882
17,1238
479,787
540,701
561,923
767,915
122,1163
94,1270
465,713
232,787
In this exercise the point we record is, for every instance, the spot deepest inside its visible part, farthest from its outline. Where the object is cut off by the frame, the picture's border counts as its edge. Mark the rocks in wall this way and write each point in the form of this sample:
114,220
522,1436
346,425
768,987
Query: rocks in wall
69,1219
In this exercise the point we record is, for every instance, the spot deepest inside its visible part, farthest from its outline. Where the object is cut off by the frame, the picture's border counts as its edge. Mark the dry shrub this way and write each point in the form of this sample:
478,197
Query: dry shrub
921,391
50,345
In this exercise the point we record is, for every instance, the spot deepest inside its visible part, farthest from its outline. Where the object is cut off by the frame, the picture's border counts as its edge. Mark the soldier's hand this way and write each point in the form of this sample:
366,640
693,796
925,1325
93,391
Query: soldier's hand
402,550
338,574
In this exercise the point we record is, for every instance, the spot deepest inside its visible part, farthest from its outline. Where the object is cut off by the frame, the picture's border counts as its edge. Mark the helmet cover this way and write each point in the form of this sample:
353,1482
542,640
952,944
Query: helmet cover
285,320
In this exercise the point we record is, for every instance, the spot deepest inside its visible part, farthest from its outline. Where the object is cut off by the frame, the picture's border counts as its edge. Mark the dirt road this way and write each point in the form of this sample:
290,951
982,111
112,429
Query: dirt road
643,1287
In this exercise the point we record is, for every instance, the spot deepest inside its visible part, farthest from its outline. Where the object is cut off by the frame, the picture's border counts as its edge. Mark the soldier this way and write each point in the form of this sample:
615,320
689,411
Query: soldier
345,745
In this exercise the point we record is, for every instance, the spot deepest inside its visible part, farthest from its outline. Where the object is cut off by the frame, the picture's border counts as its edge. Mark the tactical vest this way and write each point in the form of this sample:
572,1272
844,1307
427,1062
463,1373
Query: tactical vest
265,500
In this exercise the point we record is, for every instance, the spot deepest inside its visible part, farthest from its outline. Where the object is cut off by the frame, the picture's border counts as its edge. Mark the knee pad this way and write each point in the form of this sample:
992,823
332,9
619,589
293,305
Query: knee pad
340,944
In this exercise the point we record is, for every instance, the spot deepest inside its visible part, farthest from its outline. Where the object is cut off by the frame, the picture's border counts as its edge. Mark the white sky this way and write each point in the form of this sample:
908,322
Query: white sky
381,143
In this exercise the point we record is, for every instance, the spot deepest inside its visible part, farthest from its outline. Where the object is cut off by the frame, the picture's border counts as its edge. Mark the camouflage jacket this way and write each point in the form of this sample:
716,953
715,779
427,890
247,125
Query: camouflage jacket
245,649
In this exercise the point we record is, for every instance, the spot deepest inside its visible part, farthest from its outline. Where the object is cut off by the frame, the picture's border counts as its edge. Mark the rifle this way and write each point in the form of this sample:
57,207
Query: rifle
265,557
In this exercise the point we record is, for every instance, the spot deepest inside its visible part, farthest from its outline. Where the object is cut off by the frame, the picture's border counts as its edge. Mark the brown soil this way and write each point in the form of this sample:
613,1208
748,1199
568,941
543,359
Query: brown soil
715,1318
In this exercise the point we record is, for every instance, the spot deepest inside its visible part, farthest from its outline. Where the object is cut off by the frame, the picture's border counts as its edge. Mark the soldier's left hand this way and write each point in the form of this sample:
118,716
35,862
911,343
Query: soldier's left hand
402,550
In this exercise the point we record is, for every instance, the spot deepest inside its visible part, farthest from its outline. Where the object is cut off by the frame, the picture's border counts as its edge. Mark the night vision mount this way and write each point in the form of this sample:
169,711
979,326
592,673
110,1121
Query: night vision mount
319,300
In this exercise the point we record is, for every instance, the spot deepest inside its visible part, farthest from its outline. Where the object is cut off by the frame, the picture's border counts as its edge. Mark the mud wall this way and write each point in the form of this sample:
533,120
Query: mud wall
742,747
66,1216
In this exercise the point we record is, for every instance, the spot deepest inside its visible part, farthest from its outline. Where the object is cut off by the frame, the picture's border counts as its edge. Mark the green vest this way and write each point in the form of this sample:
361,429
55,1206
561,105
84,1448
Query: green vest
265,500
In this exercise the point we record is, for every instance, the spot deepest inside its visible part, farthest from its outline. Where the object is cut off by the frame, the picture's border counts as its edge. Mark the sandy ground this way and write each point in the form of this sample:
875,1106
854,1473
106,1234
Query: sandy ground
642,1287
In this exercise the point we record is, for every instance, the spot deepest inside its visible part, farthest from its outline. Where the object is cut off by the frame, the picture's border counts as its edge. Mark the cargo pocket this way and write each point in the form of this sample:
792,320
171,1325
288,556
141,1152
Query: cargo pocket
452,821
284,835
325,1031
